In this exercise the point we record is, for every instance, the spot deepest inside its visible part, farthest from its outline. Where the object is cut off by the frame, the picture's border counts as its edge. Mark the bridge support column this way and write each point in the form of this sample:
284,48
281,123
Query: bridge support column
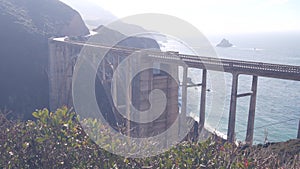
182,115
184,91
232,111
251,116
298,137
103,69
115,92
128,99
202,101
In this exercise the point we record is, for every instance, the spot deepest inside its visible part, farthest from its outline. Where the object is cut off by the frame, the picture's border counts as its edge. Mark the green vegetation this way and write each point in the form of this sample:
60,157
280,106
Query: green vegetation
57,140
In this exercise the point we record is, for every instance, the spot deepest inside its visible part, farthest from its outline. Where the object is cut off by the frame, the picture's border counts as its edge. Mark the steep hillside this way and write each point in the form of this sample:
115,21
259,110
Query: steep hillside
92,14
24,32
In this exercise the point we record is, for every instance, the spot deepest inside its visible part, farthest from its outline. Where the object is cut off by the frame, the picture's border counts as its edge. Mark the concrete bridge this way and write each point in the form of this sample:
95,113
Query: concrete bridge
234,67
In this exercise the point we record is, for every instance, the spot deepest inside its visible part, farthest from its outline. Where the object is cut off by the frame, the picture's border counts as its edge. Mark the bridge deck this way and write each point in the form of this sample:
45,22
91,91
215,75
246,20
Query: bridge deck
280,71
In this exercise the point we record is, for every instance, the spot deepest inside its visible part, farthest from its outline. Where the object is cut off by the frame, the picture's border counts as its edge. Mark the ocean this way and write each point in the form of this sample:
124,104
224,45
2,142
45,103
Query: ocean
278,101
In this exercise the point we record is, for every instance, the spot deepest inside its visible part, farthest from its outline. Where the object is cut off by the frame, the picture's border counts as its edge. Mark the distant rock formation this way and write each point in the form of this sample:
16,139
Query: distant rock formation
108,36
224,44
25,29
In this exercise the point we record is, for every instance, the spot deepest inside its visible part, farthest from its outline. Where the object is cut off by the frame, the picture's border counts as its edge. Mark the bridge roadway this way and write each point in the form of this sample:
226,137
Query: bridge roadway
280,71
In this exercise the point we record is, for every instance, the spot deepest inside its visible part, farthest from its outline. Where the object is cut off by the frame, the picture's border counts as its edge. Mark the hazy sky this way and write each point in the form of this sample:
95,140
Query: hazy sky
218,16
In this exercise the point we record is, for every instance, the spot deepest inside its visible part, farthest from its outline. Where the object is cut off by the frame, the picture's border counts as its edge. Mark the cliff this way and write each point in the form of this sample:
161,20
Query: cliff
24,32
93,14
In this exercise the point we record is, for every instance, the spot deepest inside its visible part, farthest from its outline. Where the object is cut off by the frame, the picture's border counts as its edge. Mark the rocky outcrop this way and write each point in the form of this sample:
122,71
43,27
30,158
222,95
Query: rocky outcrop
108,36
224,44
24,32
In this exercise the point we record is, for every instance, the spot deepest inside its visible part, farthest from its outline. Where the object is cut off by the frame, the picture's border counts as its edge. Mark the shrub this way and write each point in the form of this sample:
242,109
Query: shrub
57,140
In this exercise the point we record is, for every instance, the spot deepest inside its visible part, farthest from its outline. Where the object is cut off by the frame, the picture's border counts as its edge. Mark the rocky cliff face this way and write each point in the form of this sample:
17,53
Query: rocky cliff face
25,28
44,17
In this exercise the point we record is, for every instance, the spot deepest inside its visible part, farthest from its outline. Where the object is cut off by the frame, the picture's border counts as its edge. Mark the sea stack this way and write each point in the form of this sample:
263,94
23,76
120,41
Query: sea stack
224,44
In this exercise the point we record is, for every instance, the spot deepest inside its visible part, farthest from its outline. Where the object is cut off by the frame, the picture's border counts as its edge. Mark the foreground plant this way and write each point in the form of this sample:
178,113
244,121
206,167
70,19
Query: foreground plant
57,140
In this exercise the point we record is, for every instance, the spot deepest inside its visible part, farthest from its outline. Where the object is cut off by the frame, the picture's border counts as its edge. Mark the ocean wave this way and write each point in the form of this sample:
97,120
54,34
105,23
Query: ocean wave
251,49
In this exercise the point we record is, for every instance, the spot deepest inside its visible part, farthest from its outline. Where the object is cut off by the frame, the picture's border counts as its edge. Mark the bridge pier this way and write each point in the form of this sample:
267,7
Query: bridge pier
115,88
202,101
251,116
182,115
232,111
298,137
128,99
184,91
